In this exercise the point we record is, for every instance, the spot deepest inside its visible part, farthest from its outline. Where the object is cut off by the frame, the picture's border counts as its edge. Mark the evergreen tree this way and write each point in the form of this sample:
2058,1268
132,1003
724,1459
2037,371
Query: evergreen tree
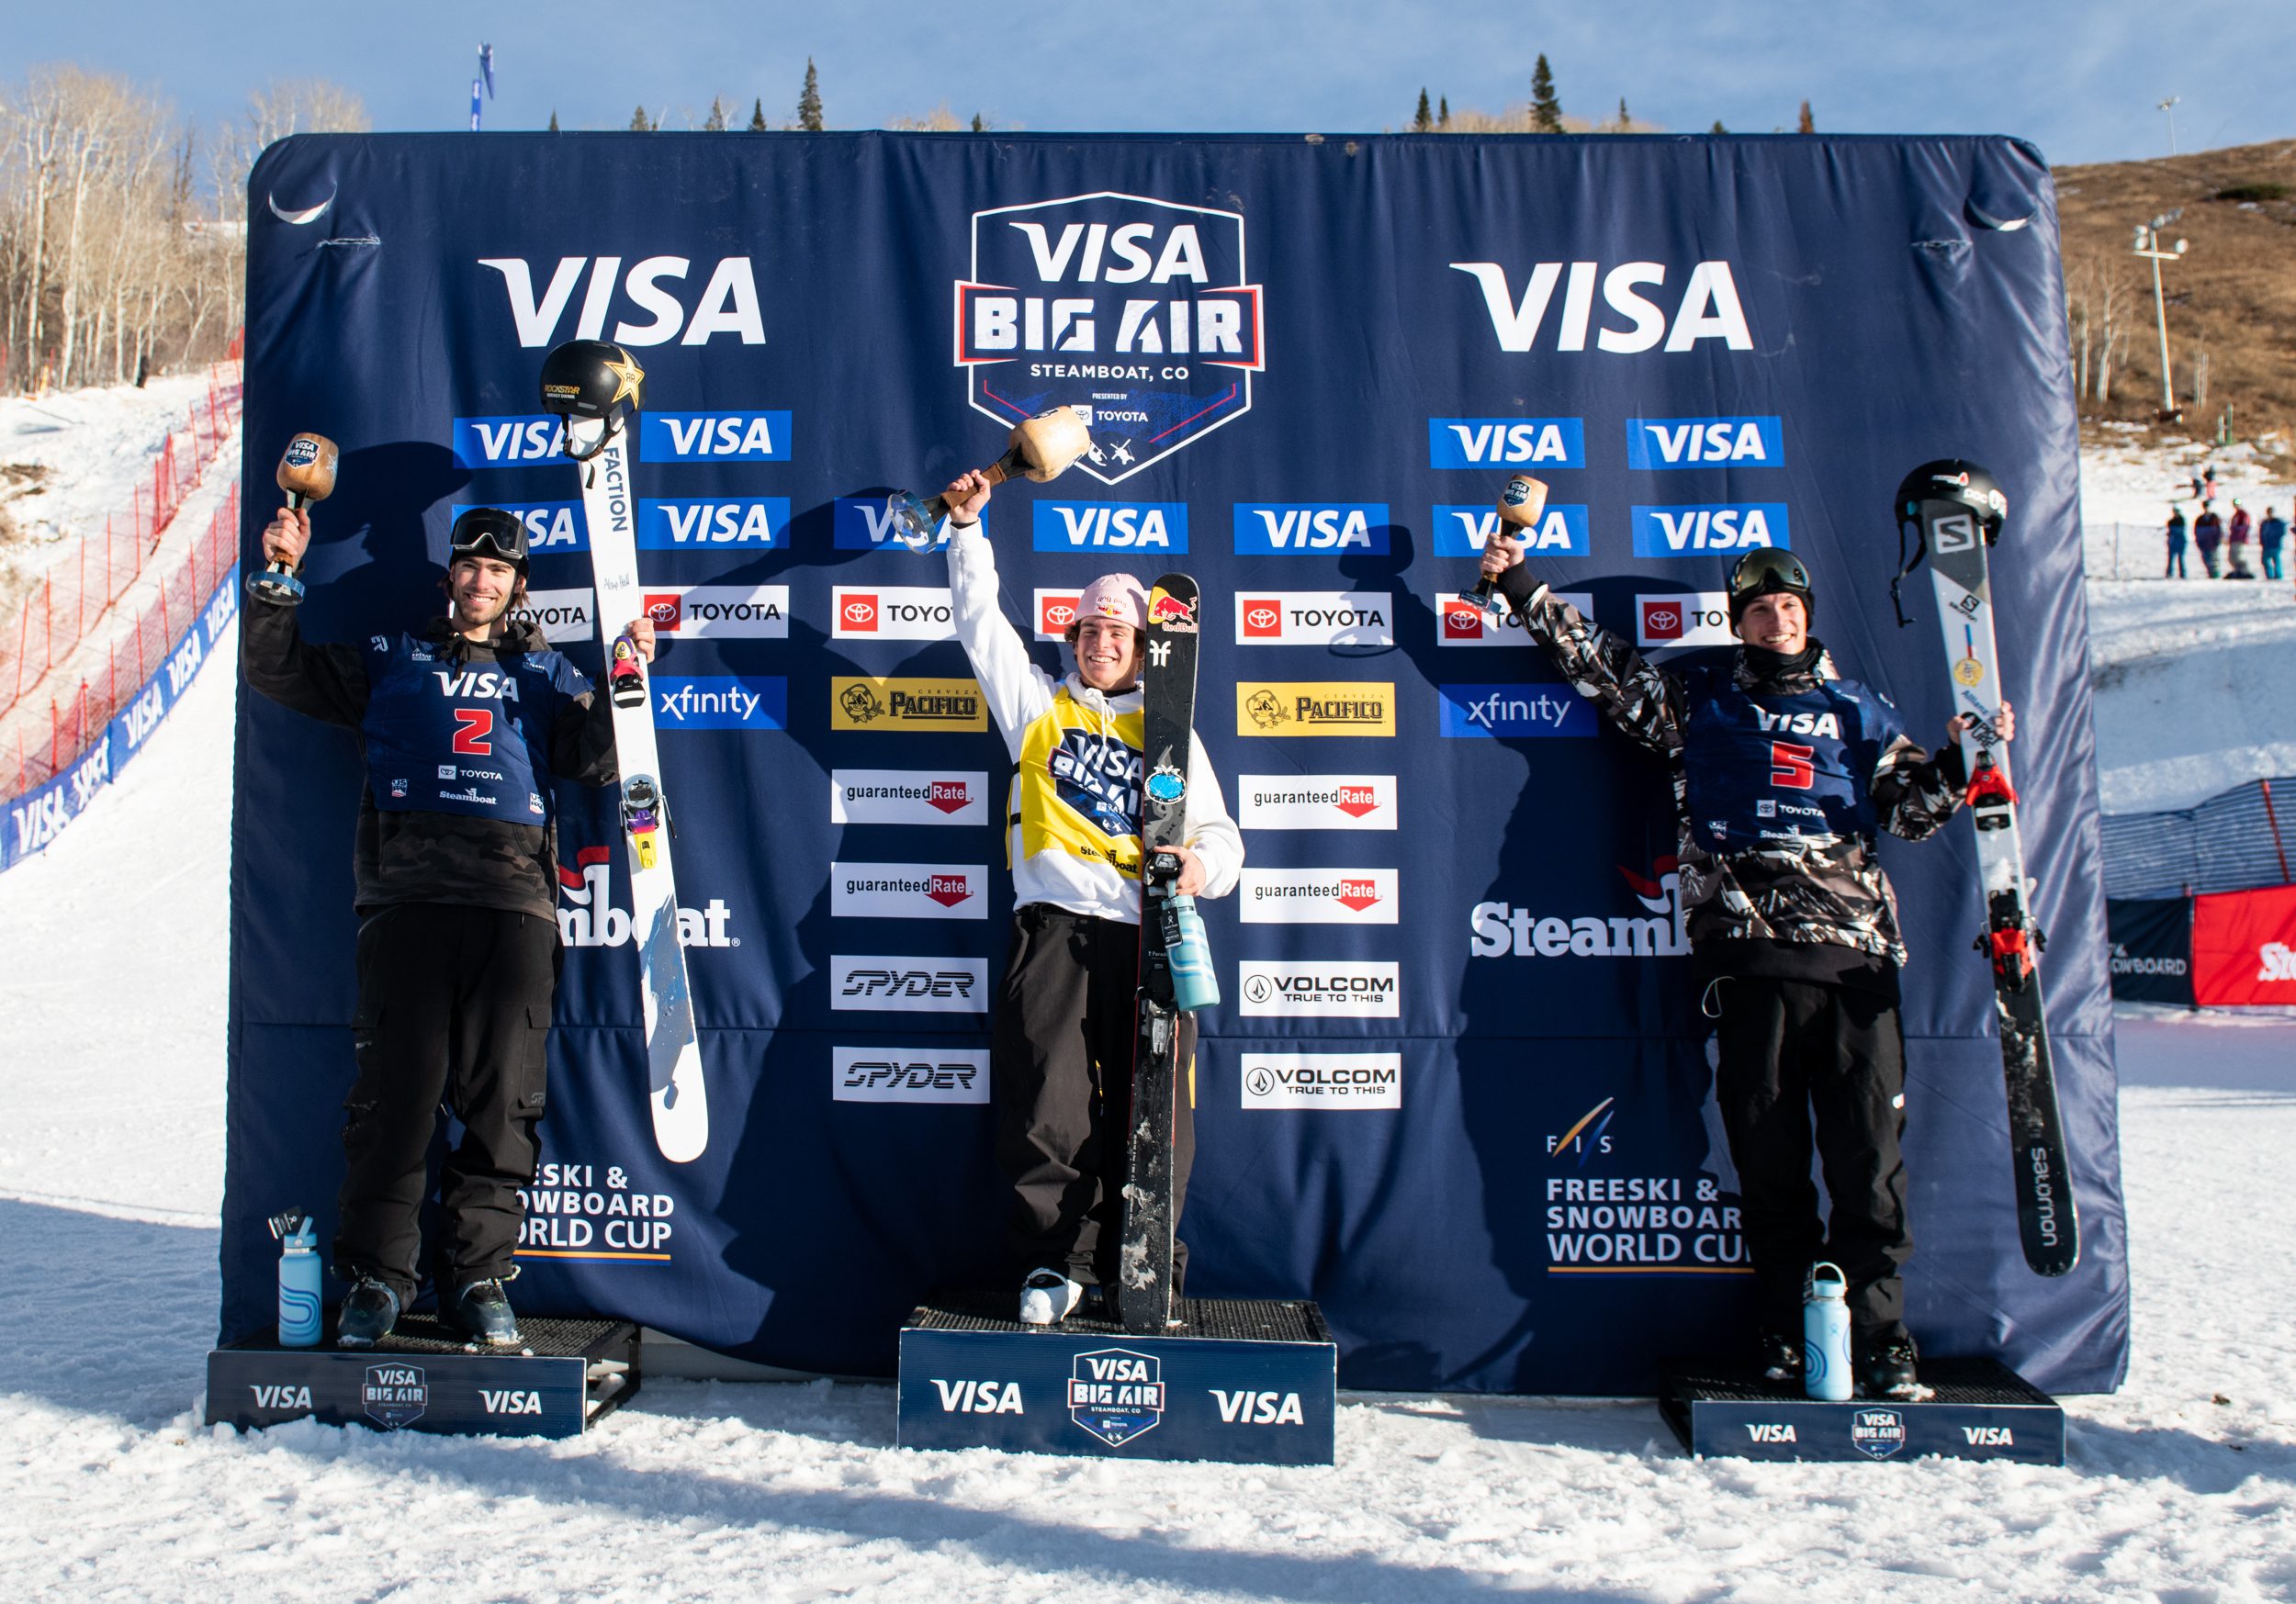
980,123
1422,120
1625,122
757,115
715,122
554,119
638,124
1808,124
809,103
1443,113
1546,107
1718,127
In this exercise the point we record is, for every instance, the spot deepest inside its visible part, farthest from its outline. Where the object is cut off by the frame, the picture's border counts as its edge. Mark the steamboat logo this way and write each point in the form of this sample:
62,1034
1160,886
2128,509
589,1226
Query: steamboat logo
1139,313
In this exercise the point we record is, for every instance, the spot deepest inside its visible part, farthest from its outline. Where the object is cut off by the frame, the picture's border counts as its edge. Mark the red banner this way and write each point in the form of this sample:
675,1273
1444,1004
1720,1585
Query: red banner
2244,947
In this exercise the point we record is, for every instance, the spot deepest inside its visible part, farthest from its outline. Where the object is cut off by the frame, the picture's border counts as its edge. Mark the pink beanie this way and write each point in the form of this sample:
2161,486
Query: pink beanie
1117,596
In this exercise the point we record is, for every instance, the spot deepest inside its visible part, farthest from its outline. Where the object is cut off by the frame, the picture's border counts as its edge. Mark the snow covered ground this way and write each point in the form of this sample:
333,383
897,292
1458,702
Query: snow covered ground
2181,1488
94,447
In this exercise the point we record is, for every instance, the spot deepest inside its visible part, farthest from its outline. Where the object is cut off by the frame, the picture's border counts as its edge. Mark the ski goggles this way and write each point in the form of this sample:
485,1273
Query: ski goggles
489,532
1767,569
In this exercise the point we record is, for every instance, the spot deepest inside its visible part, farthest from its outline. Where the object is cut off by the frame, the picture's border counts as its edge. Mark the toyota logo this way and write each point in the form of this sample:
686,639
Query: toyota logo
663,612
1665,618
860,610
1262,617
1060,614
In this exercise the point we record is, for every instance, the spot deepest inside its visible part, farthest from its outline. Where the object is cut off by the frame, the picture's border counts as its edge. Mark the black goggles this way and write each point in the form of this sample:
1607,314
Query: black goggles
1768,568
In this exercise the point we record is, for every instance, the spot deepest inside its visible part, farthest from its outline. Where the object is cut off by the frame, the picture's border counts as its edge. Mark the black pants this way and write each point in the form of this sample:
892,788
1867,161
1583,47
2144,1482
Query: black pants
454,1013
1789,1049
1062,1067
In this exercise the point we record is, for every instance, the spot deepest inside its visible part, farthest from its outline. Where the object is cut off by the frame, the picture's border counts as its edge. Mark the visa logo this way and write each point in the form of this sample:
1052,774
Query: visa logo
688,523
1721,526
1561,531
1691,442
497,442
551,527
727,303
1078,526
1258,1409
277,1396
867,524
712,437
1310,528
1770,1432
1482,443
979,1398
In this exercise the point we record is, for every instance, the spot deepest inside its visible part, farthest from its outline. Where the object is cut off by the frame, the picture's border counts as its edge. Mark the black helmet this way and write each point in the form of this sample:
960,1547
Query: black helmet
489,532
589,381
1951,479
1764,571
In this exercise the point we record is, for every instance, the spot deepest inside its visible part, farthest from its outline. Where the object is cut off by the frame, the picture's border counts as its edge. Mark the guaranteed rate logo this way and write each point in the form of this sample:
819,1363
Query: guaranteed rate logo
1138,311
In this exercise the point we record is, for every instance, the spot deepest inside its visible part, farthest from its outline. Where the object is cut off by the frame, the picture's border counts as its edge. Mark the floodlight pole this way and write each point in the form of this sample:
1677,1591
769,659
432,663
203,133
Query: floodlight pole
2148,246
2169,106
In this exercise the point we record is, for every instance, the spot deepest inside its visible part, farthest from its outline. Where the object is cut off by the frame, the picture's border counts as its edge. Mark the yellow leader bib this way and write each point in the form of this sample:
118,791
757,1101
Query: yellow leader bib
1077,786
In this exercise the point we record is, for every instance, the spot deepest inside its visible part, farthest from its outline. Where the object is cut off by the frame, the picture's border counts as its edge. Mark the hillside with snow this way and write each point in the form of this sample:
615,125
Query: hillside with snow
113,950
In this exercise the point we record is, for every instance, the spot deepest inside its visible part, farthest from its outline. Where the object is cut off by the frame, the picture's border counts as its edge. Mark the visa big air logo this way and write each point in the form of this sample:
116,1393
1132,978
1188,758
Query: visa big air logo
1703,529
1294,529
1482,443
1092,526
712,437
1560,530
699,523
1137,311
1697,442
660,287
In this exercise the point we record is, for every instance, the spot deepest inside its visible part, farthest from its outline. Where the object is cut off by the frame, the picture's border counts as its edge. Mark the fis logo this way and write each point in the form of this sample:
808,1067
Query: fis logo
907,891
719,611
587,916
1310,529
1696,618
901,796
1314,618
937,1074
1461,621
658,287
560,615
891,612
1116,1395
1707,307
1703,530
1483,443
1501,931
1056,611
866,524
754,523
1314,708
1589,1136
909,985
720,701
1485,711
1315,801
1318,896
551,527
1322,1080
1561,531
1695,443
1137,311
1127,526
712,437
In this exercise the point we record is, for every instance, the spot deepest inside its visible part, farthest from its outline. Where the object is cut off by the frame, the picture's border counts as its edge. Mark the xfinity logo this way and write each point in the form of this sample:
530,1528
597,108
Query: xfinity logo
551,527
1561,531
1314,618
909,985
1707,307
1484,443
1715,527
891,612
560,615
1334,989
1514,711
1327,528
588,917
720,701
1698,618
1140,526
757,613
712,437
1317,896
1322,1080
941,1074
1315,801
1691,442
658,285
754,523
907,891
903,796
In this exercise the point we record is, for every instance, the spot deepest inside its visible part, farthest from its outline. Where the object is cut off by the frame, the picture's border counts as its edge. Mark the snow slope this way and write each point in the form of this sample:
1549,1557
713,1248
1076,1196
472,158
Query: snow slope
112,945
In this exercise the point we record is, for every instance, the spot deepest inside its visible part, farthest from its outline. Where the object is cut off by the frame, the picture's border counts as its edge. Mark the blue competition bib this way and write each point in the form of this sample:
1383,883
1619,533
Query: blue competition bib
473,739
1782,768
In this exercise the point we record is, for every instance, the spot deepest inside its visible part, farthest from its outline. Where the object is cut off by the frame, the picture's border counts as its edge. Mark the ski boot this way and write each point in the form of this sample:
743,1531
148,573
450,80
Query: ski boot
368,1314
1047,1297
481,1311
1781,1357
1890,1372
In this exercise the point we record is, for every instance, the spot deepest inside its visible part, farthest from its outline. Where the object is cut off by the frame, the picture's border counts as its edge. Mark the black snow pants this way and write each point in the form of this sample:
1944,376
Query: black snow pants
1062,1068
454,1015
1789,1049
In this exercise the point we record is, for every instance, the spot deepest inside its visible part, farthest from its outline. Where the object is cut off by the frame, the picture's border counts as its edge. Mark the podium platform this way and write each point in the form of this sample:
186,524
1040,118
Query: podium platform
1244,1381
423,1377
1982,1410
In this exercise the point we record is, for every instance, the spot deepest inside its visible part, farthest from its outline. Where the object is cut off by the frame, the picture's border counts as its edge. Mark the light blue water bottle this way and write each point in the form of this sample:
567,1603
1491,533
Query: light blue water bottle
1826,1334
1194,985
299,1278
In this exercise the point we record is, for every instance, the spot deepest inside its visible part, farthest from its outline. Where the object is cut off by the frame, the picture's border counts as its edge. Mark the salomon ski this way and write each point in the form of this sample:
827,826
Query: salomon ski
595,388
1144,1274
1957,511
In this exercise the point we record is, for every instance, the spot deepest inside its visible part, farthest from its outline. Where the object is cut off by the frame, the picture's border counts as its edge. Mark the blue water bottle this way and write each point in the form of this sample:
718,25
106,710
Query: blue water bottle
1194,985
1826,1334
299,1278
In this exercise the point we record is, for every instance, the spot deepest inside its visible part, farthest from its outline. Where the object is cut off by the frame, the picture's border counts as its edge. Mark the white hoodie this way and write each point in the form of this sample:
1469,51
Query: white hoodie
1062,849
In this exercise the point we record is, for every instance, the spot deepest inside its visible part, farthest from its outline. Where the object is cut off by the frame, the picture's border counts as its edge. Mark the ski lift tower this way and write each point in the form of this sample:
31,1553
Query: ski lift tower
2148,245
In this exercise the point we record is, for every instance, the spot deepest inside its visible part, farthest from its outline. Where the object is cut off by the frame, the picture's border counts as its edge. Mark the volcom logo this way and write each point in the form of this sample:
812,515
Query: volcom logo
727,303
587,916
1137,311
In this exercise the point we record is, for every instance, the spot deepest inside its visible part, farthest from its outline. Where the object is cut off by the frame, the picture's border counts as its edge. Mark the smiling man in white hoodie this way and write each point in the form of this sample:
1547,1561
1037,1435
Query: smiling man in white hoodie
1060,1056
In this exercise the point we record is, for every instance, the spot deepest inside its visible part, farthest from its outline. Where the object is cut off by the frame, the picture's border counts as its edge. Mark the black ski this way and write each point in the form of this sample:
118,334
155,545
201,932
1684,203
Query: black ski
1958,511
1145,1291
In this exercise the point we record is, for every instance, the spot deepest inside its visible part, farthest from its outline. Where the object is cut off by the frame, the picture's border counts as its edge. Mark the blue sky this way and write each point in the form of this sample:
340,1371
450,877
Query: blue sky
2082,80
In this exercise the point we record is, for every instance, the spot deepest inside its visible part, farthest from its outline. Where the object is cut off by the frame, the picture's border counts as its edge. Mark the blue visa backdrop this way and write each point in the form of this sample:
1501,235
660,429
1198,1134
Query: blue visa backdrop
1458,1090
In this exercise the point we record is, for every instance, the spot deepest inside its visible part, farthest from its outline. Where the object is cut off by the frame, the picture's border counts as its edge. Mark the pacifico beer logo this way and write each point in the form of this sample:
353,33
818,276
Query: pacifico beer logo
1266,707
901,706
1138,312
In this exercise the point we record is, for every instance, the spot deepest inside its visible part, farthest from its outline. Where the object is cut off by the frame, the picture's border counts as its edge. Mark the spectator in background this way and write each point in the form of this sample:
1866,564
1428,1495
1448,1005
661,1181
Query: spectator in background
2176,545
2208,534
2236,553
2205,487
2269,534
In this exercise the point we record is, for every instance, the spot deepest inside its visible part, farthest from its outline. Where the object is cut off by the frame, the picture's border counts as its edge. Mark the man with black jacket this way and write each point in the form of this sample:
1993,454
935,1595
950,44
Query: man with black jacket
1783,772
464,726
